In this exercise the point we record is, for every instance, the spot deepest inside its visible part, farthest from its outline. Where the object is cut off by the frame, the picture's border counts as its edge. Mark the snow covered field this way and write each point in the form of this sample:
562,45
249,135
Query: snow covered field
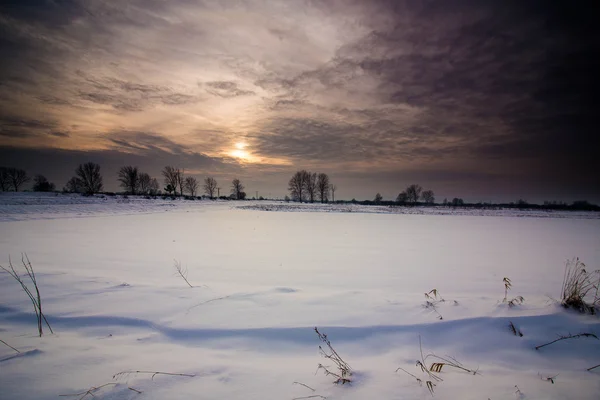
264,280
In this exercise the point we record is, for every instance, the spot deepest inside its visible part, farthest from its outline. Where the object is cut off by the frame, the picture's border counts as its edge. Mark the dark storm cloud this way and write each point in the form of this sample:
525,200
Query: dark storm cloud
500,79
16,127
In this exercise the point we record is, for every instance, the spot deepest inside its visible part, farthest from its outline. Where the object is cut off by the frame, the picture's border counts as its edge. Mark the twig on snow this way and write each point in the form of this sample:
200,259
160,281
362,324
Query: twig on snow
89,392
10,346
569,336
154,373
302,384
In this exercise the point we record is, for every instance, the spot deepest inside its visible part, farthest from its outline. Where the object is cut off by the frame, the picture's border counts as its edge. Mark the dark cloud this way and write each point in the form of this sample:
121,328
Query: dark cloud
17,127
226,89
58,134
146,143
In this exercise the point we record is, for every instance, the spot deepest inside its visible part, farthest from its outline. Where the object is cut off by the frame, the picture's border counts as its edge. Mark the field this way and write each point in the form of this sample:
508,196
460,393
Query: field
264,278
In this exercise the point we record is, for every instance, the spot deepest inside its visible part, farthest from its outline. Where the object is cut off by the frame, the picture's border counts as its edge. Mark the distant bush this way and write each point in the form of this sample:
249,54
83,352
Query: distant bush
41,184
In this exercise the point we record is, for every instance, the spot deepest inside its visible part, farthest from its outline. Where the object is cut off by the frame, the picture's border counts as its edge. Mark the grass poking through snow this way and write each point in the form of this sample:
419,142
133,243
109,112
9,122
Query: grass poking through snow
580,287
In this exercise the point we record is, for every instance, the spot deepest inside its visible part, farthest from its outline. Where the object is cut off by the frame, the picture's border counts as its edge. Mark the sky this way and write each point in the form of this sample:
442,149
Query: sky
484,100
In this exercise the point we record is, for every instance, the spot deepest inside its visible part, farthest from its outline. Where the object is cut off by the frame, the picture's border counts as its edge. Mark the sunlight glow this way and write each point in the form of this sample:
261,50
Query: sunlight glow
244,155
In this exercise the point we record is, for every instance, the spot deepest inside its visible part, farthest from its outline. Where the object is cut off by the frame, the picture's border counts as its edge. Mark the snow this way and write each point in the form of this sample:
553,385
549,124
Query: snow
262,282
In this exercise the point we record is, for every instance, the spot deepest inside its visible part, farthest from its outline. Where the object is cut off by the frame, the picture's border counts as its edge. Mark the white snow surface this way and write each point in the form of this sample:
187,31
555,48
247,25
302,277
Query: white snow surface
264,280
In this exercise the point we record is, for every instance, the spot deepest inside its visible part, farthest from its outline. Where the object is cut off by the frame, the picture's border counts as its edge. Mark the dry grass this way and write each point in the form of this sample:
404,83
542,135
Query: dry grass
432,299
516,331
435,368
550,379
344,372
517,301
36,298
580,287
507,286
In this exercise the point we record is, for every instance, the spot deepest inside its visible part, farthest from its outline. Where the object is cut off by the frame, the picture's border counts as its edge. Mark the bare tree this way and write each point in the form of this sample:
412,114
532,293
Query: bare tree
144,183
153,187
173,176
210,186
296,186
129,178
333,188
413,193
180,180
310,182
237,189
17,177
402,197
89,175
191,185
323,187
428,197
378,198
74,185
4,183
41,184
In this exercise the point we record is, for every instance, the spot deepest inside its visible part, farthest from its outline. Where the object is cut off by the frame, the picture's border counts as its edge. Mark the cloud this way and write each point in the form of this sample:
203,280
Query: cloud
227,89
504,89
12,126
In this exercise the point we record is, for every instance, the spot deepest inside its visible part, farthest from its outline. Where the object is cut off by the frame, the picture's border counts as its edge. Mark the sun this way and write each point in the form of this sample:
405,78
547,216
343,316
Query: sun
240,153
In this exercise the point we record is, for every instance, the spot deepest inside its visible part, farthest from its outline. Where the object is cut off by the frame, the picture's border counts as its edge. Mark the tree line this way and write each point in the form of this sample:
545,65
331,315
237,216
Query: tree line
310,186
88,180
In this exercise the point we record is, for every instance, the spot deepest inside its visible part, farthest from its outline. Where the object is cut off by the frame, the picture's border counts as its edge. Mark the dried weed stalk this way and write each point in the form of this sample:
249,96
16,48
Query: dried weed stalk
344,372
569,336
181,271
36,298
516,331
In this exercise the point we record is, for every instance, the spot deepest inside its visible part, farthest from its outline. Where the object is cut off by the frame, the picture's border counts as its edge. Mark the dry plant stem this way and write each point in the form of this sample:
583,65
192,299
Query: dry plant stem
514,329
595,366
507,286
10,346
577,283
35,300
516,301
302,384
135,390
548,378
423,366
567,337
182,272
450,361
518,391
402,369
345,371
89,392
154,373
